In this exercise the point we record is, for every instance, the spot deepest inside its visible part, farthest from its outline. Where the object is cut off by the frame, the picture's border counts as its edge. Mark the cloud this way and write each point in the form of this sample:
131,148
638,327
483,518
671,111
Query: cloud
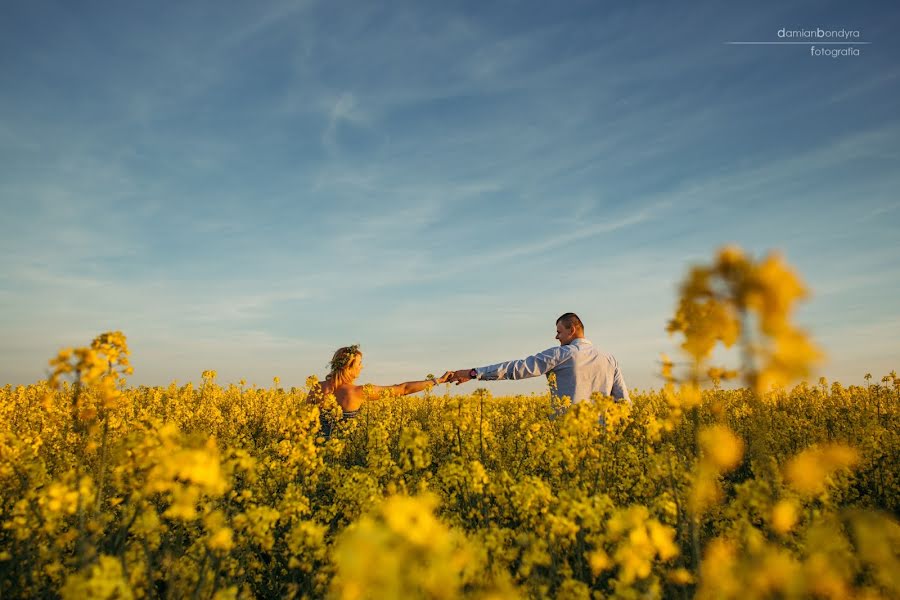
233,308
267,17
868,86
576,235
345,109
880,211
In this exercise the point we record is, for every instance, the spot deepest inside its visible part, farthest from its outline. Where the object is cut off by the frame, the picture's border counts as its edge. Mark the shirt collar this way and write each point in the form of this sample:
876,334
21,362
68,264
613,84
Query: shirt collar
581,341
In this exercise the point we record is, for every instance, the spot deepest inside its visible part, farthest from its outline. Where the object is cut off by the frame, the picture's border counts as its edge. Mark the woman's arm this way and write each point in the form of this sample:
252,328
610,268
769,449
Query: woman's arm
407,387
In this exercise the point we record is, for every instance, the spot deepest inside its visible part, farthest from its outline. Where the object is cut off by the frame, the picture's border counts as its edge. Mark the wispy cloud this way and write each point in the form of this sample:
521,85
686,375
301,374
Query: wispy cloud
577,234
345,109
265,18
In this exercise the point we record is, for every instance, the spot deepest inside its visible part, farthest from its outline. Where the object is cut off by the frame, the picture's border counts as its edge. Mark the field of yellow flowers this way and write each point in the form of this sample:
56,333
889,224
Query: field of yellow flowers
110,491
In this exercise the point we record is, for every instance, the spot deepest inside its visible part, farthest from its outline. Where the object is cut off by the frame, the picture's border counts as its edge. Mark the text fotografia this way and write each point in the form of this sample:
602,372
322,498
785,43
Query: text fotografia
833,52
819,34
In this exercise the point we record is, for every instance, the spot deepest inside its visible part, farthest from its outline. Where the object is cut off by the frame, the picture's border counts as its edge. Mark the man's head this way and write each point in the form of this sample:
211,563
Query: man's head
568,328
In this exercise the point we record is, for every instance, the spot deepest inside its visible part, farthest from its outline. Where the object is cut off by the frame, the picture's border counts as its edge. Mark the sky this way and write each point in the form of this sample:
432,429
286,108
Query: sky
245,187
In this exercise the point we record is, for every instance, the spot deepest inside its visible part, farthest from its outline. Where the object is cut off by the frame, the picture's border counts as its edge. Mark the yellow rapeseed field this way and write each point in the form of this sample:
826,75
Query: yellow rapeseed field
765,491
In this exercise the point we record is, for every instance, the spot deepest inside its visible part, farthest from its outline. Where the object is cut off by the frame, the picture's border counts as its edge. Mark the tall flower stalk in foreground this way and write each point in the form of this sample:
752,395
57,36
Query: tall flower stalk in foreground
739,300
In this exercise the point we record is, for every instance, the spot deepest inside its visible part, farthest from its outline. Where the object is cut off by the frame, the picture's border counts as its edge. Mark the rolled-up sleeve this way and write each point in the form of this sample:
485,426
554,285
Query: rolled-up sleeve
533,366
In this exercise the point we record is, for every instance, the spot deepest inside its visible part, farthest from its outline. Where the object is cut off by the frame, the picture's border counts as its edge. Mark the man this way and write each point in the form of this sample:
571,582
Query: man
580,368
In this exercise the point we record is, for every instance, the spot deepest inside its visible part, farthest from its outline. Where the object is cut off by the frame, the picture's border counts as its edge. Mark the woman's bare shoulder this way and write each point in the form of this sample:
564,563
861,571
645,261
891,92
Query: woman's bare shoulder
350,397
352,390
367,389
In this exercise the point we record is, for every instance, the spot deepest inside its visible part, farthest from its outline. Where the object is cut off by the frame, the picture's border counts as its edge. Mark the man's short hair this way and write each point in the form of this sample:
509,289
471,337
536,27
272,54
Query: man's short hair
571,321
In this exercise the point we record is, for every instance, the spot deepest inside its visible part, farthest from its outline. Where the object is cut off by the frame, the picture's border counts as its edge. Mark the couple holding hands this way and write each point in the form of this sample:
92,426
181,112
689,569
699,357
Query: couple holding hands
580,368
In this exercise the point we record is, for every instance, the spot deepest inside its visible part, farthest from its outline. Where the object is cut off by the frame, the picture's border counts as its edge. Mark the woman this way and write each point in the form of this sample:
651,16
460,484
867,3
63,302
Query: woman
345,367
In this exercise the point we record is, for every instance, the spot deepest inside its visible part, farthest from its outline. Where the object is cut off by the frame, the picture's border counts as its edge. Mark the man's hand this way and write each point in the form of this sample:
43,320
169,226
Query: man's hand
459,377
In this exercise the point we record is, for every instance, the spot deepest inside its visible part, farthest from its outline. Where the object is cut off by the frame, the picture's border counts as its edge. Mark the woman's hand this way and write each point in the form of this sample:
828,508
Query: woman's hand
444,378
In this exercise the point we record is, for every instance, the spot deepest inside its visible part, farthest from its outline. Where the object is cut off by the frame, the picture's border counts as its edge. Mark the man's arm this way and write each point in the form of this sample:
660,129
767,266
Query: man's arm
532,366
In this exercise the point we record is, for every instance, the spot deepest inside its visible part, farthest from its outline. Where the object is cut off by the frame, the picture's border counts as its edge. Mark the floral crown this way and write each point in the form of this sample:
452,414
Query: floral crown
343,357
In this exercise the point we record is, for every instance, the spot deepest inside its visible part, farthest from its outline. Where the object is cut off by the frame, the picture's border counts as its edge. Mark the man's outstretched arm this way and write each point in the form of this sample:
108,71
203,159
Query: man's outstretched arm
532,366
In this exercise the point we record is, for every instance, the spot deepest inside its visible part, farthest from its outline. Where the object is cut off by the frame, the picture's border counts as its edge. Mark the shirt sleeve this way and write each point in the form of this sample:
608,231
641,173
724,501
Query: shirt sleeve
533,366
619,390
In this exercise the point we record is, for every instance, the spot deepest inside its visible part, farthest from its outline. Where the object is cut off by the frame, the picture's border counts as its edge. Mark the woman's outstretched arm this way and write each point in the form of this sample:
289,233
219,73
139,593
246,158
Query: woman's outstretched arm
407,387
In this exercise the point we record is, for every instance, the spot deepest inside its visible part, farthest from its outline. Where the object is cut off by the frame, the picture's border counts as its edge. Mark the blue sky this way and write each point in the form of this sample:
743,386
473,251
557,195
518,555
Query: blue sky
247,186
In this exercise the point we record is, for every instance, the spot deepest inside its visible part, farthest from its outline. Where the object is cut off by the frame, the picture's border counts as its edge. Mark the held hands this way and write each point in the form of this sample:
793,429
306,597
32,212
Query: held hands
459,377
442,379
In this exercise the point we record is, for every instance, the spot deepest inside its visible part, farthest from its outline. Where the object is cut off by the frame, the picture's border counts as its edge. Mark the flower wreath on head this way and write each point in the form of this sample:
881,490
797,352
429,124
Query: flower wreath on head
341,361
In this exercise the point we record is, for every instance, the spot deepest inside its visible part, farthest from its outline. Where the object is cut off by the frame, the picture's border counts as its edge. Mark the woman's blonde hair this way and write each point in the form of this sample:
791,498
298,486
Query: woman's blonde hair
342,362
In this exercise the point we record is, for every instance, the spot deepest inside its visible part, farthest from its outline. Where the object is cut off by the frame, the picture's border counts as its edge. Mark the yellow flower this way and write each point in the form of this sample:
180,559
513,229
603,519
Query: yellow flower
809,471
666,367
411,518
776,288
680,576
223,539
717,577
784,516
721,447
731,255
689,396
599,562
705,490
106,579
663,539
